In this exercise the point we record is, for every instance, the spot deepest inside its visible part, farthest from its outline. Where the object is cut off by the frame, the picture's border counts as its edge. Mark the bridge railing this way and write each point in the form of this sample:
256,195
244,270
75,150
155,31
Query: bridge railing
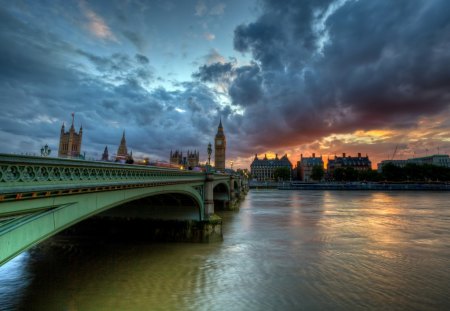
33,173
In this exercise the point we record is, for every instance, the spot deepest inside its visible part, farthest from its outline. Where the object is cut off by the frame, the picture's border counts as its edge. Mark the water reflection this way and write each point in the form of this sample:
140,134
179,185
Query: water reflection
284,250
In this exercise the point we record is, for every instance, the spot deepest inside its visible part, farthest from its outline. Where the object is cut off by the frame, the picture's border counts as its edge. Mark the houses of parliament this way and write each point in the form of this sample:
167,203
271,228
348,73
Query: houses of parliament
70,147
192,157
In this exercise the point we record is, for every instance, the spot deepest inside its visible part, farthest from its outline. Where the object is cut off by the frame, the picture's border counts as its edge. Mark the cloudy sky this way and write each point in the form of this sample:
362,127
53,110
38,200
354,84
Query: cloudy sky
295,77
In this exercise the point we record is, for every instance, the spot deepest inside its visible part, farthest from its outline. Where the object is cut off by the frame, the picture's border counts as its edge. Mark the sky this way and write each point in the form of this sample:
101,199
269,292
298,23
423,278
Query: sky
285,77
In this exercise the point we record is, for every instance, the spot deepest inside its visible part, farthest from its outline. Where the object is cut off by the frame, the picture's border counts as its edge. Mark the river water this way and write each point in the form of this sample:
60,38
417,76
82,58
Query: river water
284,250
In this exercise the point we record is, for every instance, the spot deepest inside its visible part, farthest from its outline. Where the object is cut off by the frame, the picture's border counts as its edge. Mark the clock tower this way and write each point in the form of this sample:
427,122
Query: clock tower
220,145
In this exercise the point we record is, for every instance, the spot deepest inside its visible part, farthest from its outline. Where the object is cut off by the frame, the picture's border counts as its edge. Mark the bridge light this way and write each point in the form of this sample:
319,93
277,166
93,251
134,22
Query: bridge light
45,151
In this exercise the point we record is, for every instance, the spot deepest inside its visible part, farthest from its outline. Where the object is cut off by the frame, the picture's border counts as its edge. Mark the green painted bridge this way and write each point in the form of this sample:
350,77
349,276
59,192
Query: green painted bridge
40,197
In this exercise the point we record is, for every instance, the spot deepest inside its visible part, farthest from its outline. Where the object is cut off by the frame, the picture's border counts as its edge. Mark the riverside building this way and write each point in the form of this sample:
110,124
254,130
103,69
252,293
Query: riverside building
305,166
263,169
436,159
358,163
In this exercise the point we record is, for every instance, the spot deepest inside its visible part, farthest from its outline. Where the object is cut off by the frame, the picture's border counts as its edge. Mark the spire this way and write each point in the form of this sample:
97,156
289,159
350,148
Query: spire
73,120
62,128
122,152
220,129
105,156
123,141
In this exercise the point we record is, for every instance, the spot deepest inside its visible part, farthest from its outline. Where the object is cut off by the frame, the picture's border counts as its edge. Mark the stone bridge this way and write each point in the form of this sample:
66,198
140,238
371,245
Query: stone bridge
40,197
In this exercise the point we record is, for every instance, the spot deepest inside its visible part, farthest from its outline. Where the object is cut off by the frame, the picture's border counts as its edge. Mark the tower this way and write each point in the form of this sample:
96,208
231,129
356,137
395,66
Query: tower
192,158
105,155
70,142
122,152
220,146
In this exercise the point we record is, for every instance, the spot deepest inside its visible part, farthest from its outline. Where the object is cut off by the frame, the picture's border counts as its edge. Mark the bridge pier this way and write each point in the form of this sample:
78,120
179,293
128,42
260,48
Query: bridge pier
209,196
237,194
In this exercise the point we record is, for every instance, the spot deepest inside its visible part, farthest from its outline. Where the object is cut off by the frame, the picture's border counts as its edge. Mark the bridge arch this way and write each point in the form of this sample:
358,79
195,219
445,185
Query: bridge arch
53,215
221,194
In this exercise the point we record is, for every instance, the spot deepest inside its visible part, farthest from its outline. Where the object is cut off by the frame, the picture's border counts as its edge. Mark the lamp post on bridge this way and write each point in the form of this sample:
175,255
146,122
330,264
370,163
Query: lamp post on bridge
209,153
45,151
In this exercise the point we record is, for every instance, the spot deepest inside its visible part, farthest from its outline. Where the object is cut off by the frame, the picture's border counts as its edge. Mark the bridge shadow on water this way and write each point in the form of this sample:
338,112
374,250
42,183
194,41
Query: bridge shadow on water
160,218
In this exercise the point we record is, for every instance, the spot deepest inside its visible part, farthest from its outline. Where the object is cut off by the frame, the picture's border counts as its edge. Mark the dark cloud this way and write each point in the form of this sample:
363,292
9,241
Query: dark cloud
214,73
335,67
134,38
246,88
120,67
43,80
142,59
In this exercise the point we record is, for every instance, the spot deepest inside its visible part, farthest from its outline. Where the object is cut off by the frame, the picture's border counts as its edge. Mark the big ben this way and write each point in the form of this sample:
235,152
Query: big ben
220,145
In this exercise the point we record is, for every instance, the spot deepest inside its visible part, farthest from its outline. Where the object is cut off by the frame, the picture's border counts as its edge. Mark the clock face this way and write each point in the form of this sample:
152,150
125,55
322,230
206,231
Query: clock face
219,142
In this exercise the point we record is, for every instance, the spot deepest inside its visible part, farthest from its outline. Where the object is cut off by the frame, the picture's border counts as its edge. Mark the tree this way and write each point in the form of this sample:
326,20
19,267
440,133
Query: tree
282,173
338,174
369,175
317,172
392,172
350,174
345,174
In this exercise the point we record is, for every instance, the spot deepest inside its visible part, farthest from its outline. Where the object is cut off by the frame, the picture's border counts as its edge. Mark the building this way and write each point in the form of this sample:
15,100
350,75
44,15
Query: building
220,146
105,155
264,169
190,161
436,159
305,166
70,142
122,152
358,163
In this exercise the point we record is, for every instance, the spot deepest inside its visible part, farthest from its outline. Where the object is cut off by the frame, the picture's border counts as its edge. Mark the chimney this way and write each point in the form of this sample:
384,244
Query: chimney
343,155
359,154
314,155
301,156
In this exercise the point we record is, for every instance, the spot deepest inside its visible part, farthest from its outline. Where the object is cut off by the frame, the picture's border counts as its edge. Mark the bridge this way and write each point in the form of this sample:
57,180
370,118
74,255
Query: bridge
40,196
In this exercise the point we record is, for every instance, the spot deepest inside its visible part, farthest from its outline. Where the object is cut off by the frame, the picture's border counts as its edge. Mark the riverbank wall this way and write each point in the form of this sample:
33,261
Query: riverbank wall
381,186
367,186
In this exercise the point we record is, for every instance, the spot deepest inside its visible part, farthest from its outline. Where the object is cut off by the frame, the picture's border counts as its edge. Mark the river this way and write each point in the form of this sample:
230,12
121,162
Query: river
284,250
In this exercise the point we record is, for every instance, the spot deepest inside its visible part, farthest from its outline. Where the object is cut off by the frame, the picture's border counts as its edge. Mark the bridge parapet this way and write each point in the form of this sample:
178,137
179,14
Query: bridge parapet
19,174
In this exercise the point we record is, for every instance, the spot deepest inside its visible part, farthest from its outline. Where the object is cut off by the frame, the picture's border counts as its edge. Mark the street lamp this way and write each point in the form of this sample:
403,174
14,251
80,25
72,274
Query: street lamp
209,153
45,151
231,164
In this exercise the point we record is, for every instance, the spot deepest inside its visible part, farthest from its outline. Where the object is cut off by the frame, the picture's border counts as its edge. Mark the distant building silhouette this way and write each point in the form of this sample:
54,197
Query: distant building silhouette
70,142
122,152
191,160
436,159
105,155
263,169
220,146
